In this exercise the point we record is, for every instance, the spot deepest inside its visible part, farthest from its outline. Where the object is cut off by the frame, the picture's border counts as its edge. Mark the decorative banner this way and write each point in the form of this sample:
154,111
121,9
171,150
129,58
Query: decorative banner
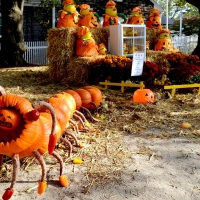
137,64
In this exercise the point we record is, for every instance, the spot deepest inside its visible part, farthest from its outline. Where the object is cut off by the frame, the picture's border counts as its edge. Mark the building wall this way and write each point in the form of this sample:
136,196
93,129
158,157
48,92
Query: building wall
33,31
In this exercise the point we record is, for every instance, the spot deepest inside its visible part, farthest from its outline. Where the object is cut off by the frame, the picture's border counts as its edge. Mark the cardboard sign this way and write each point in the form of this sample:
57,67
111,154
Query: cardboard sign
137,64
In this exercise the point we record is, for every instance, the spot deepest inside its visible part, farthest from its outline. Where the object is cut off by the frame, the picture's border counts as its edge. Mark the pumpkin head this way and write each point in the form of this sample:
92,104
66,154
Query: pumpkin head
163,44
143,96
89,20
154,21
9,119
24,131
135,20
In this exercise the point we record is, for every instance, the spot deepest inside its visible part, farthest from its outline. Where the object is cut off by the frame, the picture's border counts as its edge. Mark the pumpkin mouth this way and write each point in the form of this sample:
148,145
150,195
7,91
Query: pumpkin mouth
94,24
5,124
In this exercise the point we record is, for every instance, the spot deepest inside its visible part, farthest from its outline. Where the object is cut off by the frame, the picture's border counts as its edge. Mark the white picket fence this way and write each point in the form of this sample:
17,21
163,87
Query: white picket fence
186,44
36,52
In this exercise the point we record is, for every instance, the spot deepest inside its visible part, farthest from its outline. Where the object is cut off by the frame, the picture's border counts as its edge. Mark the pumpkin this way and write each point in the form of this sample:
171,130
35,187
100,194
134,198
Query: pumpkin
76,97
96,95
25,130
135,20
143,96
163,44
85,97
154,21
62,111
68,98
89,20
69,15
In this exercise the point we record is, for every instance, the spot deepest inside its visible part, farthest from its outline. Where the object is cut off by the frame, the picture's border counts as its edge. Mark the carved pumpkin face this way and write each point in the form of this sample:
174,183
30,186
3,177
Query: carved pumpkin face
154,22
163,44
89,20
143,96
9,119
136,20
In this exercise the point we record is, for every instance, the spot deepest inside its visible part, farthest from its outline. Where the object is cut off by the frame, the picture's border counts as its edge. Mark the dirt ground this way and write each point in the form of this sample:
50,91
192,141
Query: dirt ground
136,151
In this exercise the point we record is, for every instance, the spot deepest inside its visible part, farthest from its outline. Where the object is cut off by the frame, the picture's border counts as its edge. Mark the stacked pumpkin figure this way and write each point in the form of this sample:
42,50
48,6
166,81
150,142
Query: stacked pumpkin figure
30,130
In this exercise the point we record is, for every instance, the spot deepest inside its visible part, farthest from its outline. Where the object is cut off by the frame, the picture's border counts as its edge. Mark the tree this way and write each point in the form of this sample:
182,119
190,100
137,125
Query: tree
197,49
13,46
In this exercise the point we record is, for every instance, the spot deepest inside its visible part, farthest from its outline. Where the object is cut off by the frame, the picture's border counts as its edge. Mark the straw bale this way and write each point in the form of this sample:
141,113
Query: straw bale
75,72
152,36
159,58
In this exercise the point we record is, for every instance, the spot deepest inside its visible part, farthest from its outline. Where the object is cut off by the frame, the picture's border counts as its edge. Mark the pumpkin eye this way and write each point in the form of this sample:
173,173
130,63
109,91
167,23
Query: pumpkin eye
146,94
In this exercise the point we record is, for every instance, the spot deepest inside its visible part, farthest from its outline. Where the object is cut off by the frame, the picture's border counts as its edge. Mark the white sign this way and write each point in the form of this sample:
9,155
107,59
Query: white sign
137,64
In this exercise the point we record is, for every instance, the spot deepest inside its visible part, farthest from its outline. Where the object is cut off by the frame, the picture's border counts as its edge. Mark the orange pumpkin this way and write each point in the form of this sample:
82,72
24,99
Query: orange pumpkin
143,96
135,20
89,20
154,21
76,97
163,44
85,97
86,48
62,111
67,21
25,130
96,95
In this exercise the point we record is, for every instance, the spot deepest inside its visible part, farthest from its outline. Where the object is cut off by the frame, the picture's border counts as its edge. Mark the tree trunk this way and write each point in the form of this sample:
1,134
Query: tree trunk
13,46
197,49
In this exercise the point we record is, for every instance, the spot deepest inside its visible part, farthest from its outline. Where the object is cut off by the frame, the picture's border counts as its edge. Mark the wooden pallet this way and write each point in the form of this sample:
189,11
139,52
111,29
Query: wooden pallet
174,87
122,85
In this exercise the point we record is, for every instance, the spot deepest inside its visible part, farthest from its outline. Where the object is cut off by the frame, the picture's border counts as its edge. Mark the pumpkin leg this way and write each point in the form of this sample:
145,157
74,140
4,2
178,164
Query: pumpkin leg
74,125
80,119
67,142
67,133
40,159
62,178
89,114
60,160
16,165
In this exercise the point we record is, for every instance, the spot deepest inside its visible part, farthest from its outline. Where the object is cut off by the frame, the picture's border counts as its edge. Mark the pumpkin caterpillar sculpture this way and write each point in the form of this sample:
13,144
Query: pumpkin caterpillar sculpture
30,130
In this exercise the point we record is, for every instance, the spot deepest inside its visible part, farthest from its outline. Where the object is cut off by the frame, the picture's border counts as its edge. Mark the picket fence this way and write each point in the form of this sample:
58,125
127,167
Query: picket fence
36,52
186,44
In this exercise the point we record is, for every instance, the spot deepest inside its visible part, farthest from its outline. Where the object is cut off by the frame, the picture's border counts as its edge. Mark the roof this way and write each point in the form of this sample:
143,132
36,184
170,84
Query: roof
156,5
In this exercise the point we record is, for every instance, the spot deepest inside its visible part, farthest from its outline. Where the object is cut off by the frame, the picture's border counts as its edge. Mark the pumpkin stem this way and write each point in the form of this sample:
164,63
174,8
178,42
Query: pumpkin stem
16,166
42,104
40,159
67,142
2,91
89,114
60,160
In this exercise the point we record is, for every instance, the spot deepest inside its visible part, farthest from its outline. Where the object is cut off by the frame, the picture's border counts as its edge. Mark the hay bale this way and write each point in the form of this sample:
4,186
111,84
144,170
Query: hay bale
151,36
76,71
64,65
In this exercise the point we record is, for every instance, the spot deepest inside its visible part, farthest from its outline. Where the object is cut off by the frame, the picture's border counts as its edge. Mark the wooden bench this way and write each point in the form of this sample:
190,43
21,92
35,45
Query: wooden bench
122,85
